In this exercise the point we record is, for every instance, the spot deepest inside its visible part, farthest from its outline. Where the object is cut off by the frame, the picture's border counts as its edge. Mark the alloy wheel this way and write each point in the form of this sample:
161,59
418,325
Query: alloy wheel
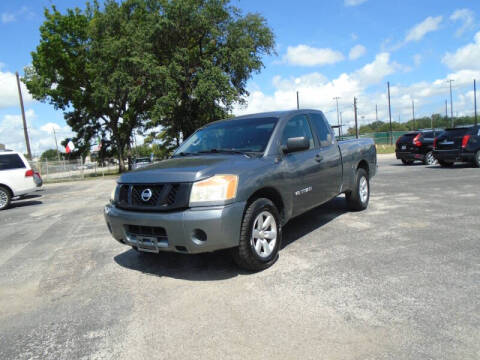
264,234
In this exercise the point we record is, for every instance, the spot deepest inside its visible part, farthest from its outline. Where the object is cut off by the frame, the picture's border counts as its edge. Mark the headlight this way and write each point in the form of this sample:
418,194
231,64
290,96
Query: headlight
216,188
112,194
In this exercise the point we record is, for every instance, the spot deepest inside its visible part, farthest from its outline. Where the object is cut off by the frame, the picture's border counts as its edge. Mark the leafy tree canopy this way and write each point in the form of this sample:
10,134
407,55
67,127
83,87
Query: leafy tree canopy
173,65
50,155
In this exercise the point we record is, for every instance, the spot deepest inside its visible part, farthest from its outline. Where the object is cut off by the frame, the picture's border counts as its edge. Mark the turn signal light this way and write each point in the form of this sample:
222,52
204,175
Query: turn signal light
465,141
29,173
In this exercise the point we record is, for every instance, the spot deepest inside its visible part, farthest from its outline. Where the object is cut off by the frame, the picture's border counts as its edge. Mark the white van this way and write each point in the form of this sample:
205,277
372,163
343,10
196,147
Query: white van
16,177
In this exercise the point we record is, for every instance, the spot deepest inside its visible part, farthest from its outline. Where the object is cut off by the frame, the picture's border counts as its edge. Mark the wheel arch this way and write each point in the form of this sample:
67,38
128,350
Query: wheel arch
363,164
273,195
8,188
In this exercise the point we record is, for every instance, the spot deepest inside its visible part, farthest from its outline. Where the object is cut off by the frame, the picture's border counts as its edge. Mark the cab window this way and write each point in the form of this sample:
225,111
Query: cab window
323,130
297,127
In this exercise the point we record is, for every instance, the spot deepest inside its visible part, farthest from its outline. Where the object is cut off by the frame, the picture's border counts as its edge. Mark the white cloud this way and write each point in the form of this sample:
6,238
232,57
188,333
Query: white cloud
378,69
317,91
9,90
353,2
466,57
417,59
467,17
357,52
41,138
305,55
7,17
420,30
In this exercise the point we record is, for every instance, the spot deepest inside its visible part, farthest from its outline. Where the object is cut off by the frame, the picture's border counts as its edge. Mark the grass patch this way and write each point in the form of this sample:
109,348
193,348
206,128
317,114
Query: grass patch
385,149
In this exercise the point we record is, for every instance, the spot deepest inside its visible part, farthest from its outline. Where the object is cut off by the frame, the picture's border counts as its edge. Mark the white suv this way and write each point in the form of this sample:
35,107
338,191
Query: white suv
16,177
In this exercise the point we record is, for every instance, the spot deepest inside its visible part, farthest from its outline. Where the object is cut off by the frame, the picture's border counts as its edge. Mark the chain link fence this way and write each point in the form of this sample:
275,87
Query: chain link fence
53,171
380,138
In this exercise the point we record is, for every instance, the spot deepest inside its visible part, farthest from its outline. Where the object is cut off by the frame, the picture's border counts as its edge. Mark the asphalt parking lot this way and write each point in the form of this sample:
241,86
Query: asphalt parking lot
398,281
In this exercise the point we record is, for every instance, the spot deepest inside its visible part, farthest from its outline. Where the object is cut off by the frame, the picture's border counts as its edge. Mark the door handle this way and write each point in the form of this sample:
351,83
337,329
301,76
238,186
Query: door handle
318,158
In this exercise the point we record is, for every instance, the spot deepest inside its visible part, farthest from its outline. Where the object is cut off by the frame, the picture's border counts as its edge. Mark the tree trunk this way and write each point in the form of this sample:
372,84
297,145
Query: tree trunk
121,161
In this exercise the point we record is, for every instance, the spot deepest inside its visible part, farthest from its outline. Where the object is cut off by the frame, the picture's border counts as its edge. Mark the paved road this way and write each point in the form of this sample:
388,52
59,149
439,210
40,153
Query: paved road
398,281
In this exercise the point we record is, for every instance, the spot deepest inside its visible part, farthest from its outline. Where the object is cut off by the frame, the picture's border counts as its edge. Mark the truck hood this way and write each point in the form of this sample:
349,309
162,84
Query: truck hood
186,169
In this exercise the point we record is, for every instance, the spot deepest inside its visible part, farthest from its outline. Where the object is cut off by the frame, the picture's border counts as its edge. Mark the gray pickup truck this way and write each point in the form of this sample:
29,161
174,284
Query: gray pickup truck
234,183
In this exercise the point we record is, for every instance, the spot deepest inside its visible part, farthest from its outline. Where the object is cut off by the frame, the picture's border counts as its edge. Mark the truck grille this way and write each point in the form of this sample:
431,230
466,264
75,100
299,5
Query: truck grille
156,197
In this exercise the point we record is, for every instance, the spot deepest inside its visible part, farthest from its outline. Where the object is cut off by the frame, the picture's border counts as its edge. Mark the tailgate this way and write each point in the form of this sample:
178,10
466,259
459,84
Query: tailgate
451,139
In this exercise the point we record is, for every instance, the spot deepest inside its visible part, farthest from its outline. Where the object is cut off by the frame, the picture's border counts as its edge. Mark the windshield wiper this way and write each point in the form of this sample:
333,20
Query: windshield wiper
225,151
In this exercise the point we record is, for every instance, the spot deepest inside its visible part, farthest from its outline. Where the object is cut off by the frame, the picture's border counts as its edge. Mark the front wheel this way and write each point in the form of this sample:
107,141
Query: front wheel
5,198
358,198
260,236
476,159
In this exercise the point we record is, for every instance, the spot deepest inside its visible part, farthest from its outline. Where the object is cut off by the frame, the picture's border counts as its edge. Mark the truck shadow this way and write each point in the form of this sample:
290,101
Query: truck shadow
219,265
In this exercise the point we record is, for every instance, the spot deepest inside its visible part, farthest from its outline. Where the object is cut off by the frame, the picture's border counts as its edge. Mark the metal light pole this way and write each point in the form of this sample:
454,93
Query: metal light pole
356,120
451,101
298,102
390,113
338,114
376,112
413,114
475,99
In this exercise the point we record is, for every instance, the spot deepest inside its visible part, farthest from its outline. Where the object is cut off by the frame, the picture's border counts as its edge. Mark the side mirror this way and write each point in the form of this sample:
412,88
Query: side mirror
296,144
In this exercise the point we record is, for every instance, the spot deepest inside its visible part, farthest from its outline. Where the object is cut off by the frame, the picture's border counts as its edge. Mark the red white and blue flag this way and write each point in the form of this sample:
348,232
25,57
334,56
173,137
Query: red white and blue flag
70,147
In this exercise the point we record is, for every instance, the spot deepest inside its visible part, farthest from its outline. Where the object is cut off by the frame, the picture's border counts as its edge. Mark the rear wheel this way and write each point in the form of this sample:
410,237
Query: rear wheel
260,236
5,198
445,163
358,198
476,159
429,159
407,162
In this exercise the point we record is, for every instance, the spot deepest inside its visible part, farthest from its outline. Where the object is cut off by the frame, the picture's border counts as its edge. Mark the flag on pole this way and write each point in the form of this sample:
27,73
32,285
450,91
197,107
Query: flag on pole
70,147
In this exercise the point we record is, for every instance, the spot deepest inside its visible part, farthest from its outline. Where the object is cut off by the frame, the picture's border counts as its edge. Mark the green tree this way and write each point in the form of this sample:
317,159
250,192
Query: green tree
146,64
50,155
212,50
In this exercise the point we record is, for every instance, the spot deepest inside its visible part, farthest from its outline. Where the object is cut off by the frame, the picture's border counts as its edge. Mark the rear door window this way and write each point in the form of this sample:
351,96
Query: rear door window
10,162
322,129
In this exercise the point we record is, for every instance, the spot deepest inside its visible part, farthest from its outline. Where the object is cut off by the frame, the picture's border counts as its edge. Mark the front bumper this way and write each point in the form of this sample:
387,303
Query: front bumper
219,224
452,155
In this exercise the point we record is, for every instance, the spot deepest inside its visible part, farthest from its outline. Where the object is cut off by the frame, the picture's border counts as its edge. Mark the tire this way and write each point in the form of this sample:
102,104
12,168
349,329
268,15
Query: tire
429,159
476,159
258,253
404,162
358,198
5,198
445,163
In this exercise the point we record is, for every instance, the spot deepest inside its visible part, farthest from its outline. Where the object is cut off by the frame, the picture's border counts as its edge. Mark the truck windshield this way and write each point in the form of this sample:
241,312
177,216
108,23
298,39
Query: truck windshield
244,135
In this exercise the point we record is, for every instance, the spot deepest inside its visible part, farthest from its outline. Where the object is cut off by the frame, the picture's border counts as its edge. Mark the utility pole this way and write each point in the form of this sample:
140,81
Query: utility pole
451,101
25,130
376,112
446,110
298,102
413,114
341,122
390,113
355,111
475,99
56,143
338,117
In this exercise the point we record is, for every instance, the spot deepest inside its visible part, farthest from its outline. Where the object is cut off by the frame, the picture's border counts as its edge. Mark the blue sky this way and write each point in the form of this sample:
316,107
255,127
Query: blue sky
342,48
